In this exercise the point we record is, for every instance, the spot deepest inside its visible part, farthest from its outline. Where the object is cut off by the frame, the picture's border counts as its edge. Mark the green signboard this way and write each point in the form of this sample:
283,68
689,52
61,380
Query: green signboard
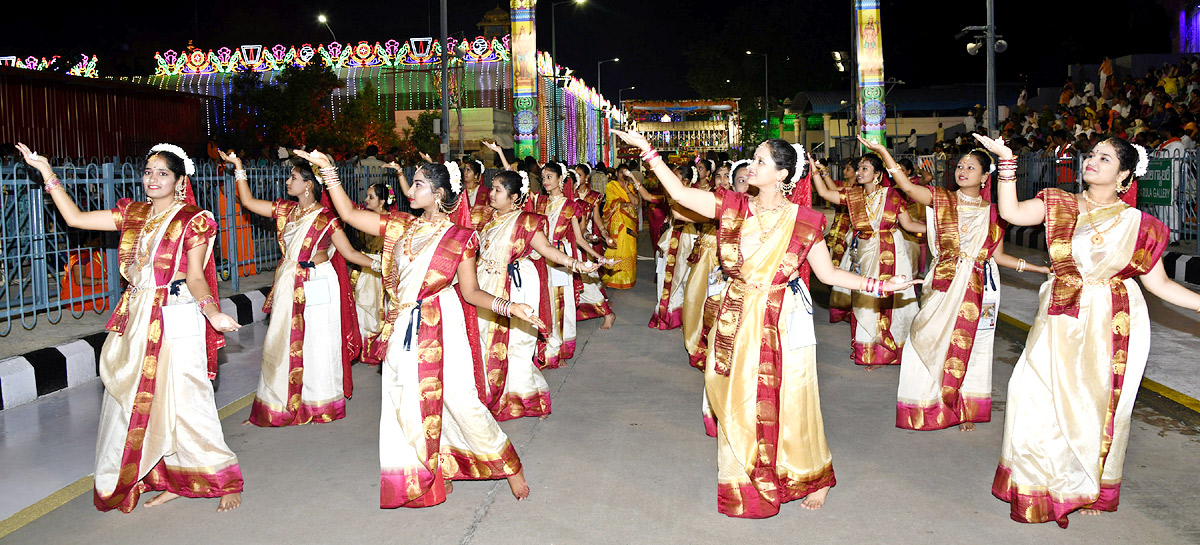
1155,187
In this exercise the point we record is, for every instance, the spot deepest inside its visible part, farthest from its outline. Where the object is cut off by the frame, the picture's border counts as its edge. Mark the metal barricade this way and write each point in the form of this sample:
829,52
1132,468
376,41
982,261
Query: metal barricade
47,267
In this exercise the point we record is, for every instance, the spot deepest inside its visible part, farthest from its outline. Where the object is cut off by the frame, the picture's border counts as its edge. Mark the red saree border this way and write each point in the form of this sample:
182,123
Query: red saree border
1031,504
939,416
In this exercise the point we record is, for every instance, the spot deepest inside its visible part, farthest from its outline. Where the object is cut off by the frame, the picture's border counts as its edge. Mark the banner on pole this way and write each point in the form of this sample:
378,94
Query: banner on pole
872,115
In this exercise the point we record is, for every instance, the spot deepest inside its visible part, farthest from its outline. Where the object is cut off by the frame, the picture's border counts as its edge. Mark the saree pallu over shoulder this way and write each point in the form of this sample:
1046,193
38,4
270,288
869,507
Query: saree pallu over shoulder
525,227
191,227
732,210
425,487
1038,503
752,425
188,228
318,237
884,349
954,362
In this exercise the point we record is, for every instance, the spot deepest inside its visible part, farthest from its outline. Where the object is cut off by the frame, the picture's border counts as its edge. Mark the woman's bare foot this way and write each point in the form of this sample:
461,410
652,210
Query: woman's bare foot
162,498
246,422
520,488
815,500
873,367
229,502
966,426
543,417
1090,512
449,486
608,320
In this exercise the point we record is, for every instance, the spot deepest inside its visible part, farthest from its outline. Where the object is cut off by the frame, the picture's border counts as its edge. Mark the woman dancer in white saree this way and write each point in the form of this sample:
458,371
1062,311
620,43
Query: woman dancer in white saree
159,428
946,371
311,306
1070,398
512,244
760,374
433,426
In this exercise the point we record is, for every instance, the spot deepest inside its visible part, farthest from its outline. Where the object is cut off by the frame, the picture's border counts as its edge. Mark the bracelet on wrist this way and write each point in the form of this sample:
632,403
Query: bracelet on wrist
52,184
239,174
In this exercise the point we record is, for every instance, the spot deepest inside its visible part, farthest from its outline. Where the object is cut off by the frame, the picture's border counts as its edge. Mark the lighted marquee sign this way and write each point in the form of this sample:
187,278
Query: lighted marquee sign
257,58
86,67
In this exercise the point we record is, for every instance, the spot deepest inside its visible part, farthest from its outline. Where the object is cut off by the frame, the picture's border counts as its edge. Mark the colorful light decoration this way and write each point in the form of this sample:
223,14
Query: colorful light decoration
85,68
256,58
404,74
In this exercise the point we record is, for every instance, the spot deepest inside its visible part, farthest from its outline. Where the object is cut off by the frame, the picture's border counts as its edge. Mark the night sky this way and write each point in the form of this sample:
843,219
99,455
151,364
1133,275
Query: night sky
650,36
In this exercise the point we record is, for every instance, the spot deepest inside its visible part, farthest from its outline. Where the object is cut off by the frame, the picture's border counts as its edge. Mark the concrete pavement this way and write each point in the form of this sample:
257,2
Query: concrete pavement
624,459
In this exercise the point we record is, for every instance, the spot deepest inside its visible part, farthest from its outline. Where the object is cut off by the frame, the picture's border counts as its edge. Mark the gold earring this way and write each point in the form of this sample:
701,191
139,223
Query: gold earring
179,193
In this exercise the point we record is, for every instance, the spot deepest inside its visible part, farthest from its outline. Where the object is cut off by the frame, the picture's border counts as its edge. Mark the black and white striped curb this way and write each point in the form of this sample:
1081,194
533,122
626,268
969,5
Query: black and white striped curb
1179,266
34,374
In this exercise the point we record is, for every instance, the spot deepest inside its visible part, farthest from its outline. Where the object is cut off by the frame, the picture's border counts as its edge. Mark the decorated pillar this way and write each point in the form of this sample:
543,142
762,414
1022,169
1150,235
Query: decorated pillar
872,115
525,78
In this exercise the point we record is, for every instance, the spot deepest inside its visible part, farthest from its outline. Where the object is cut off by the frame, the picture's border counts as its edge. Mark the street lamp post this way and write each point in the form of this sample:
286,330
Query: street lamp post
554,90
614,59
445,124
766,94
993,46
325,21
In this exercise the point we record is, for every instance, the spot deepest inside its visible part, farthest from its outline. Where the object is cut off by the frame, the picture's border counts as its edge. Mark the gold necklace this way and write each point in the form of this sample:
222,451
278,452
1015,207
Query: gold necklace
1095,205
150,226
873,211
306,210
412,233
1098,237
765,213
969,201
492,225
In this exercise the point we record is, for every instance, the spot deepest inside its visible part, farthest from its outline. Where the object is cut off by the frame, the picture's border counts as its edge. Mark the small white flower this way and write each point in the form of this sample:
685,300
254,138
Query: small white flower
1143,164
801,161
189,167
455,176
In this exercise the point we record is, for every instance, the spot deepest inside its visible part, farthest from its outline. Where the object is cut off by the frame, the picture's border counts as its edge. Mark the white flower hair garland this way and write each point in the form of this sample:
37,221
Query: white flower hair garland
480,163
524,182
801,161
1143,164
455,176
189,167
734,168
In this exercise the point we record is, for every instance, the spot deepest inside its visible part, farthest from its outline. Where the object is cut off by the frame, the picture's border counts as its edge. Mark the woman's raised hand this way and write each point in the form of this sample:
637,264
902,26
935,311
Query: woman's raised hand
526,313
873,146
493,146
634,139
425,157
36,161
996,146
315,157
231,158
394,166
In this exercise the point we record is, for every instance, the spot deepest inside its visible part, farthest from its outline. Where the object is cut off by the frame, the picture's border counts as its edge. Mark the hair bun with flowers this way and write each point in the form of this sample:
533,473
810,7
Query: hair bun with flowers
455,176
524,182
801,161
1143,164
189,167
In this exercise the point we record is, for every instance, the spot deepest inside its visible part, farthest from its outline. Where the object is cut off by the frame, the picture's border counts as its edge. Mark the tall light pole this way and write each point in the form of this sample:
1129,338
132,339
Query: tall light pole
766,94
621,102
325,21
988,40
614,59
554,90
445,81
